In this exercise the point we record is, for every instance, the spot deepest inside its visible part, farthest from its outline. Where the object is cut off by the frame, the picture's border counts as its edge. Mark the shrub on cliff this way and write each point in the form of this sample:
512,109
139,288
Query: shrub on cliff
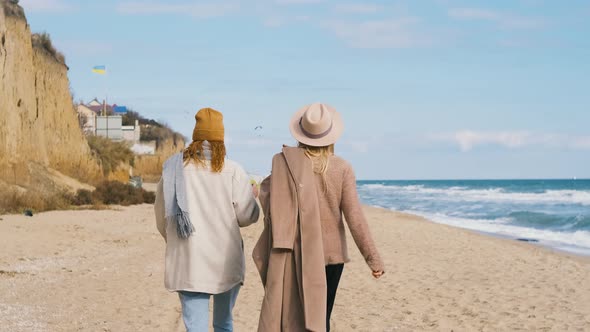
114,192
11,8
149,197
159,134
151,130
130,117
16,201
43,41
110,153
111,192
83,197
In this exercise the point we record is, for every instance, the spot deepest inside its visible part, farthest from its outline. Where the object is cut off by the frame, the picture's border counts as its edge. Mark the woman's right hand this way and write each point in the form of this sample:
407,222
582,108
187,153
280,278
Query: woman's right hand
378,274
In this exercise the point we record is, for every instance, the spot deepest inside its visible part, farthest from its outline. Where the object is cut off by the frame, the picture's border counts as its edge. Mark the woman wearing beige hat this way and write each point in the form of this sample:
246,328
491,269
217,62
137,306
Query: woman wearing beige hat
202,201
301,253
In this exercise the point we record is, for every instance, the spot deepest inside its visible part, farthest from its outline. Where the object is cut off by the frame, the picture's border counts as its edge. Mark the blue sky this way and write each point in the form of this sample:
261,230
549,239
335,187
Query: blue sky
427,89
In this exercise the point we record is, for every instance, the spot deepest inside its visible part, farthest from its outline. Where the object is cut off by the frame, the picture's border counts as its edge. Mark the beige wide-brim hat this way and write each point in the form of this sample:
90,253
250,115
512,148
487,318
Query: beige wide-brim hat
317,125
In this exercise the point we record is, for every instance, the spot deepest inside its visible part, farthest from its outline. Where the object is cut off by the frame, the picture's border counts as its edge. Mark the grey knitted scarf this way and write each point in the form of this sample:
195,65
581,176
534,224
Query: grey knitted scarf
175,200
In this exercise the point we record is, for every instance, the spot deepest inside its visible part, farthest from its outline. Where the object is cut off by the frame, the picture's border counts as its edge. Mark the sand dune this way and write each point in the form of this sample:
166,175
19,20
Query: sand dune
103,271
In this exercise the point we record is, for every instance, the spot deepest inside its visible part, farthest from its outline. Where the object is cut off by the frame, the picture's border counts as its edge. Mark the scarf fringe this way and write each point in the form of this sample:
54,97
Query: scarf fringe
184,227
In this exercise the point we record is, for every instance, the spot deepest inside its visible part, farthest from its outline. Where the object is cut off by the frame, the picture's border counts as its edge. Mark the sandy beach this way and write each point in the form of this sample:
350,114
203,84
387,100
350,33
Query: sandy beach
103,271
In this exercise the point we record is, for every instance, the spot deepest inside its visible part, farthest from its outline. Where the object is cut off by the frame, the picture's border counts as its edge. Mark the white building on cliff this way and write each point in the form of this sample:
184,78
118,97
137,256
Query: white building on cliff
107,120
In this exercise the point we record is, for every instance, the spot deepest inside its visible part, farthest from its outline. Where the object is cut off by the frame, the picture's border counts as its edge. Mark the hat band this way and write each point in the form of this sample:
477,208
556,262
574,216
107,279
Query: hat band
315,136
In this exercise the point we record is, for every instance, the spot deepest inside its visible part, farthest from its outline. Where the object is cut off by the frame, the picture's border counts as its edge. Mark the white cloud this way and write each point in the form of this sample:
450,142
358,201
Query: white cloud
503,20
582,143
467,140
279,21
255,142
298,2
274,22
514,42
55,6
368,143
303,18
197,10
357,8
473,14
393,33
522,23
359,146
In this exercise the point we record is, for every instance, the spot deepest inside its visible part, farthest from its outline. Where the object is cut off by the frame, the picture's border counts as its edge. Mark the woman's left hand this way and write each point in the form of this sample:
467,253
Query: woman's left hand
255,190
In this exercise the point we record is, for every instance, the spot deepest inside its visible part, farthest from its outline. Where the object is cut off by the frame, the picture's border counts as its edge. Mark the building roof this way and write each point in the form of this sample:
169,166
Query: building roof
119,109
94,102
98,108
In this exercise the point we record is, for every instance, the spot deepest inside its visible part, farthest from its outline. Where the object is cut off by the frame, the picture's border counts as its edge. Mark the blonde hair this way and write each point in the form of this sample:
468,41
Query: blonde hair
194,153
320,156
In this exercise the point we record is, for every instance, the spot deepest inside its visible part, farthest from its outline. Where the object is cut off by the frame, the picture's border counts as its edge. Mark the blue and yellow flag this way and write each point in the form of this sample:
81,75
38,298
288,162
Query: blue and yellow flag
99,69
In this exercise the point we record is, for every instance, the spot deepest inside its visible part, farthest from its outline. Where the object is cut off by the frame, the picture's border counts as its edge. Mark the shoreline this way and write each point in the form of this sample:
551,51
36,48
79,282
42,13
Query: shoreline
509,239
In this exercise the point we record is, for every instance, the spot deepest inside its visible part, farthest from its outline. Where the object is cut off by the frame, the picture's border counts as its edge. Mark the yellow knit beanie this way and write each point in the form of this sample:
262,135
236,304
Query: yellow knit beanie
209,126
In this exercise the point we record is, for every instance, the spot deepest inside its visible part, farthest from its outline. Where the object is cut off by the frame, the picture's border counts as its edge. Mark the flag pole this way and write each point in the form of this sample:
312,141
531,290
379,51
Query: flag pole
106,92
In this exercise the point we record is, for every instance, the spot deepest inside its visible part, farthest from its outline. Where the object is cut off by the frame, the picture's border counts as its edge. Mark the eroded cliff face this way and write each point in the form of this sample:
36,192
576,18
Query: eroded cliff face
38,123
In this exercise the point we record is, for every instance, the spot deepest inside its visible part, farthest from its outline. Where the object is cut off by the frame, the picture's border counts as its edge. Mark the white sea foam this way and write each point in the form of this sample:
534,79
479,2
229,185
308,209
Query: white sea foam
499,195
556,218
576,242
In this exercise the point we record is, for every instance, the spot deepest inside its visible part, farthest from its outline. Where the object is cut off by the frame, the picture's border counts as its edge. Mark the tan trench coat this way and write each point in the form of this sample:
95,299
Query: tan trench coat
289,254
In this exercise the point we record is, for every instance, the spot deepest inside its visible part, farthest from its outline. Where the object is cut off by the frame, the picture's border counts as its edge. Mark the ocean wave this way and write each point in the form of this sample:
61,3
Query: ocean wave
574,241
458,194
549,220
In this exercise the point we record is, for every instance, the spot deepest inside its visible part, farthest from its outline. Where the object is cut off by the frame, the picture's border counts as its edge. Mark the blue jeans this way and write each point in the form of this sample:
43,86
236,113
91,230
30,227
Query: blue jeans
195,310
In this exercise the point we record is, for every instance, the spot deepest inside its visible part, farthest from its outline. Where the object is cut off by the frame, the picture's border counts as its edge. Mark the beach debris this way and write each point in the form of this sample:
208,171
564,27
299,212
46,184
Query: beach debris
28,213
136,181
526,240
10,273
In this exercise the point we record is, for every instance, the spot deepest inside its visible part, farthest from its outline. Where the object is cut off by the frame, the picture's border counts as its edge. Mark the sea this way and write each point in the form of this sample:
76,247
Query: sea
553,213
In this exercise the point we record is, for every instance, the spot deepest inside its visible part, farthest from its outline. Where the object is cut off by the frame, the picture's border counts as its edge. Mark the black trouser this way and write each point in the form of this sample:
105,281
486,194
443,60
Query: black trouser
333,273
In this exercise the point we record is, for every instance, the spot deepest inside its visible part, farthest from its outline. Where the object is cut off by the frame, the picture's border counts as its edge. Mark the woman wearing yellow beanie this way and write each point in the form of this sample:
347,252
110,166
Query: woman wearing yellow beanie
202,201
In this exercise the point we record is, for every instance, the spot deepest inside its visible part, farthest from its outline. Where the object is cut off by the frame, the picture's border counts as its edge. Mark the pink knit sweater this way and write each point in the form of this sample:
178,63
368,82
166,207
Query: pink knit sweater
342,198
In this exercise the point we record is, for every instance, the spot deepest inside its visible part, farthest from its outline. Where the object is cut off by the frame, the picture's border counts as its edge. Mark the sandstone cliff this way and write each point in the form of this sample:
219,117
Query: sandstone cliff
38,123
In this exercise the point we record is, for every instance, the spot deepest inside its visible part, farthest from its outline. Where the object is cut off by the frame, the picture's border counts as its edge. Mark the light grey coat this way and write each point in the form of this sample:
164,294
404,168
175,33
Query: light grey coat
211,260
